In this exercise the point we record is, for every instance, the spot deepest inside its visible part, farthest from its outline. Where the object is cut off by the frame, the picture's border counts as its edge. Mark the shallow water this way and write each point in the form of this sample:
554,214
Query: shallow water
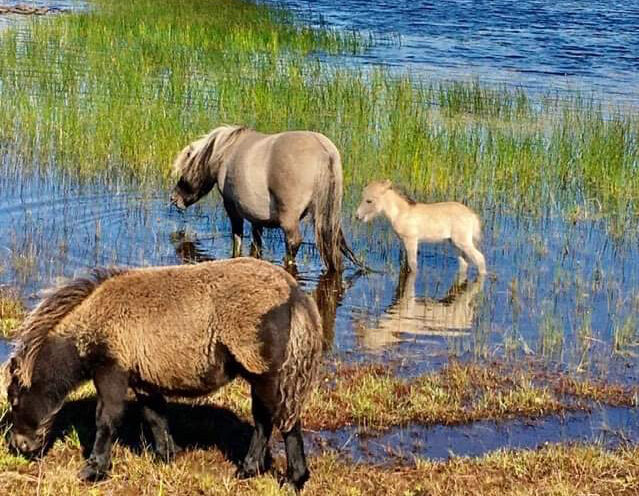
609,427
566,294
563,46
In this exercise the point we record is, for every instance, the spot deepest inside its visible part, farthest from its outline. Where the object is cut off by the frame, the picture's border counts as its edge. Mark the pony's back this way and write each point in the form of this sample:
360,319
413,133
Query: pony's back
164,323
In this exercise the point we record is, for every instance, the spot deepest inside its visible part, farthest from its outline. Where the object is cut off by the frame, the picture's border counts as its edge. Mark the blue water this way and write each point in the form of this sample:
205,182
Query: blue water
546,47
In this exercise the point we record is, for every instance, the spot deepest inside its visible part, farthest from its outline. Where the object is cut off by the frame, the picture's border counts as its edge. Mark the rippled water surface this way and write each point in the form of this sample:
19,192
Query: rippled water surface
566,46
565,293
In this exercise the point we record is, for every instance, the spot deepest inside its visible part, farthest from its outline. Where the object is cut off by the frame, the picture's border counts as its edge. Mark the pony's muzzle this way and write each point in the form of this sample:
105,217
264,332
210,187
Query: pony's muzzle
177,201
23,445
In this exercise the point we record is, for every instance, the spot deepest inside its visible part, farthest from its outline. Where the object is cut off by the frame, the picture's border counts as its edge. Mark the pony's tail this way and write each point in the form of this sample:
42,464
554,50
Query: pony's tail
327,211
327,215
302,360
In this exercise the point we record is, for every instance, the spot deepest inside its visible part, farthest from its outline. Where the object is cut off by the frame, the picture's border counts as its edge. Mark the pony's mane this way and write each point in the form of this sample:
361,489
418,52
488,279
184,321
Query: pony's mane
49,312
215,145
404,195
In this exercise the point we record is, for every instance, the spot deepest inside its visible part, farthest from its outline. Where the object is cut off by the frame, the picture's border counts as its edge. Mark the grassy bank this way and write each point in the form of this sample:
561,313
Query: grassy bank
554,470
215,434
116,91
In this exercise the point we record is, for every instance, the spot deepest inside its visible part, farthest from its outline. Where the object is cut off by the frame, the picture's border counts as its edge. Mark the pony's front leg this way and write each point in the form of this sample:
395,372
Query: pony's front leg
237,228
111,384
154,409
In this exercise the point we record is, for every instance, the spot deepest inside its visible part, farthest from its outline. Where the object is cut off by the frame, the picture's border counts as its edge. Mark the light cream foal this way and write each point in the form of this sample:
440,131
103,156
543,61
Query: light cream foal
433,223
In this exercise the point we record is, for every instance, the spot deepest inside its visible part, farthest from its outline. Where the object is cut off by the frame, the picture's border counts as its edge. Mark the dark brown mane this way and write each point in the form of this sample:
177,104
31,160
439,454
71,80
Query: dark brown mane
38,324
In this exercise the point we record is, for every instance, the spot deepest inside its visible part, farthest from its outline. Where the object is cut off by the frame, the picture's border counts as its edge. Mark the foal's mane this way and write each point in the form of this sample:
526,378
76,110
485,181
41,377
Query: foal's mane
51,310
404,195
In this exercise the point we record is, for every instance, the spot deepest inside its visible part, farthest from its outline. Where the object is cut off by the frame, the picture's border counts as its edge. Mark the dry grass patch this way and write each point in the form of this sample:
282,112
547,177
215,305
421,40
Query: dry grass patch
553,470
12,311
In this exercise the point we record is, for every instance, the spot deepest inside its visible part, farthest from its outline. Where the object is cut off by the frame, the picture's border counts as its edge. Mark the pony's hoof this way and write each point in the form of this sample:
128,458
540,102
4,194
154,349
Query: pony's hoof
246,472
168,455
90,473
295,484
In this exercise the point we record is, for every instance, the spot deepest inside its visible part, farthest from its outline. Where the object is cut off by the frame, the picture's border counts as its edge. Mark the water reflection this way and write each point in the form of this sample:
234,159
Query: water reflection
188,250
409,315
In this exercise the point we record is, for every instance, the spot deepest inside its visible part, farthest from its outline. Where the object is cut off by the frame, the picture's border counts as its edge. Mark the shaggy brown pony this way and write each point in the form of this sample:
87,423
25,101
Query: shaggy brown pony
182,330
271,180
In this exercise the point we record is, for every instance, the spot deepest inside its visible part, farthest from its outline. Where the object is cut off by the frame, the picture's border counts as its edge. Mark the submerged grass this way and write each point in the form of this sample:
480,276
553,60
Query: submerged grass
117,90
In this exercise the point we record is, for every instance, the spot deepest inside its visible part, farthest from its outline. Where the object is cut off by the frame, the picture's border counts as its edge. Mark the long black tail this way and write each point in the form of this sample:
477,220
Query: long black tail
350,254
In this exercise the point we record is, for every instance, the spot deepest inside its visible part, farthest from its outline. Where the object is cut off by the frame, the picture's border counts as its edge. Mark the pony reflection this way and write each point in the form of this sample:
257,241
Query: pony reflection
408,314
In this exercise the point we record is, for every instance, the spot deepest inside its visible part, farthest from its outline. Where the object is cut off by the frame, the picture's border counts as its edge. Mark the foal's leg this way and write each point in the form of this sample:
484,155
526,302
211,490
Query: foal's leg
257,457
256,245
470,252
297,470
462,272
111,384
154,411
410,244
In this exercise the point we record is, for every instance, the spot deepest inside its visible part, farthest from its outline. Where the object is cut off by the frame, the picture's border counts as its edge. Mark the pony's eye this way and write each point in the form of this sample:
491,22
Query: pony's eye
369,201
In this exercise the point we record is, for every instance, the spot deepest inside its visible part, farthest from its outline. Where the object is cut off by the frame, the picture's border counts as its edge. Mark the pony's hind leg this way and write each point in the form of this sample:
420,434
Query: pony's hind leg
257,458
293,240
154,411
256,245
297,470
470,252
111,384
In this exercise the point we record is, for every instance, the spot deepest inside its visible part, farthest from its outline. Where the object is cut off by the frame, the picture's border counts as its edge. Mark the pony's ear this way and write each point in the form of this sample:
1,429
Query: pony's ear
387,183
13,365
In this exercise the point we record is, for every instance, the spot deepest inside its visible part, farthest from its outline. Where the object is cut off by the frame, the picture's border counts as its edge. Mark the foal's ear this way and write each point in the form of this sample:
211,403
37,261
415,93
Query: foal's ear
387,183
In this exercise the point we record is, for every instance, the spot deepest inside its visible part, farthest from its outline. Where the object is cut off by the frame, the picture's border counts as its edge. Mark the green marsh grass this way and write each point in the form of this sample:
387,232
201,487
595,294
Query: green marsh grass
117,90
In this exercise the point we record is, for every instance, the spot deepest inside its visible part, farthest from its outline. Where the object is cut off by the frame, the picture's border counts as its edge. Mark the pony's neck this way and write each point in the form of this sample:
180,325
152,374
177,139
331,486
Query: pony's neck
393,204
59,366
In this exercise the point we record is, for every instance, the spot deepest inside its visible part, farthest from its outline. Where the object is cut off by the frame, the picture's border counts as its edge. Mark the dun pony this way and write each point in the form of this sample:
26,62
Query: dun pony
434,222
183,330
271,180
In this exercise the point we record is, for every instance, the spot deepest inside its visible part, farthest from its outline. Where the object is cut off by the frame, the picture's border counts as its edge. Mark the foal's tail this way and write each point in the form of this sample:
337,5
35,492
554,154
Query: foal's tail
301,362
327,212
477,231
